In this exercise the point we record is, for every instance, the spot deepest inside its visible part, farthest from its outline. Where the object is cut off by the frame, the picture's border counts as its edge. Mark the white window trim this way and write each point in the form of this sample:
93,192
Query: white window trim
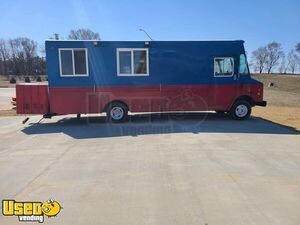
132,62
224,74
73,62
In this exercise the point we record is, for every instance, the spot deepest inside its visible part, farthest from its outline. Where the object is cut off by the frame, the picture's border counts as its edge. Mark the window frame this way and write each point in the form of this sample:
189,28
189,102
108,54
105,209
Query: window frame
73,63
223,75
132,74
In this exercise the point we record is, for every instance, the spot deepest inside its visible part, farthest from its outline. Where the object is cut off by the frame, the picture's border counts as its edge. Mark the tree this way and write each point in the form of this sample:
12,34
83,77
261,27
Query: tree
298,47
23,53
282,68
83,34
17,56
293,61
259,57
4,56
30,51
274,54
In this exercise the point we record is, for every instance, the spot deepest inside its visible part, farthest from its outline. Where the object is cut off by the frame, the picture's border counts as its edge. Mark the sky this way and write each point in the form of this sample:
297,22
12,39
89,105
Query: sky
257,22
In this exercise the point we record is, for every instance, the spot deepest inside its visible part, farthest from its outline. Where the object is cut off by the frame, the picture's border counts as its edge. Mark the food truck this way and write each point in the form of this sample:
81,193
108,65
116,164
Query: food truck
118,77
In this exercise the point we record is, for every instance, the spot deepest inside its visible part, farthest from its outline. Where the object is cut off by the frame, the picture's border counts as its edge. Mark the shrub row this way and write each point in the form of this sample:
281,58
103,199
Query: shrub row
27,80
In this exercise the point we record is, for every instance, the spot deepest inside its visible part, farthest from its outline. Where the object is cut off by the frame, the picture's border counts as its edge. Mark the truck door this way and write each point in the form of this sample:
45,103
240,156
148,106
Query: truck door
182,87
185,97
225,80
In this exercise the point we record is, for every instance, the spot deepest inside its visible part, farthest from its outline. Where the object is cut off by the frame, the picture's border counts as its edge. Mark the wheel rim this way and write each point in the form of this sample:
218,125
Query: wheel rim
117,113
241,111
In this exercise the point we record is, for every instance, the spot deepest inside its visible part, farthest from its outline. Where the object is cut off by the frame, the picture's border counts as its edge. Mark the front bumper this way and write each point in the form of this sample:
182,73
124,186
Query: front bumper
262,103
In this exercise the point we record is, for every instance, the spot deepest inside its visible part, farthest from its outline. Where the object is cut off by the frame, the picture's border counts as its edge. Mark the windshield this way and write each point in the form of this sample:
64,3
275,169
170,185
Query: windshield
243,69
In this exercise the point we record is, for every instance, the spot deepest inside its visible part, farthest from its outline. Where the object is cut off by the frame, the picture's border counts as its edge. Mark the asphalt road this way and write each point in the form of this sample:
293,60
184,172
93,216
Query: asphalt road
197,170
5,97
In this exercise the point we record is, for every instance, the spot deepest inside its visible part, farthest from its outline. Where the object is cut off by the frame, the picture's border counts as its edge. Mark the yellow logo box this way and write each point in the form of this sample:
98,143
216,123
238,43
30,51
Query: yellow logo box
13,208
30,211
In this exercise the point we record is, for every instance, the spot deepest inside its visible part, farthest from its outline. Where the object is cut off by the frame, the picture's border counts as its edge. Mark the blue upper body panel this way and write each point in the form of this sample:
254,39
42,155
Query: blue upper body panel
170,63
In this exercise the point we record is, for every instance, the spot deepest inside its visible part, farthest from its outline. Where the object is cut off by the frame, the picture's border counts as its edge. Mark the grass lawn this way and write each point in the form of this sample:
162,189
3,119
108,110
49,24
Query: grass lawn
283,100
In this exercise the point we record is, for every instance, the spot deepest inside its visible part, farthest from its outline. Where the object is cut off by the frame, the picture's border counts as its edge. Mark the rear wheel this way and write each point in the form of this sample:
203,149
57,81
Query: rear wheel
241,110
117,112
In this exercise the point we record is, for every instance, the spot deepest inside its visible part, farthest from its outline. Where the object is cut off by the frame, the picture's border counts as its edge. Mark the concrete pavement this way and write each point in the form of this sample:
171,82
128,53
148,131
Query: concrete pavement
5,97
203,169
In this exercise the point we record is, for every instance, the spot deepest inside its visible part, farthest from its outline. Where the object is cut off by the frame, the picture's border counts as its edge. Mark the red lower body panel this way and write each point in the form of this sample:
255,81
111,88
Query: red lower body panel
32,98
81,100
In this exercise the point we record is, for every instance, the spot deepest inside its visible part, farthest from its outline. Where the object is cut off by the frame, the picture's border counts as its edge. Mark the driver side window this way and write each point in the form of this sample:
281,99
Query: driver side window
223,67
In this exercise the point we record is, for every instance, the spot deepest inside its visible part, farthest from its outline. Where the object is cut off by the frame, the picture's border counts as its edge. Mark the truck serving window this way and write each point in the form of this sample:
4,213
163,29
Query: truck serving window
223,66
73,62
243,69
132,62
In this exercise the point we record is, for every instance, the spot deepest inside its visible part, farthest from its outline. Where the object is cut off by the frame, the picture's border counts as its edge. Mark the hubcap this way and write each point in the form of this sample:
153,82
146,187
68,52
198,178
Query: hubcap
117,113
241,111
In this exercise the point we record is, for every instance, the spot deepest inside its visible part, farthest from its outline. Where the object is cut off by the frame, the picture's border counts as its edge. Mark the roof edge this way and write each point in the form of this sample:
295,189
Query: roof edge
60,40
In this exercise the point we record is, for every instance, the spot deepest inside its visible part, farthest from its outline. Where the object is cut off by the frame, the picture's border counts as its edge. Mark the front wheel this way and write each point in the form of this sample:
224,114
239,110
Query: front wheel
241,110
117,112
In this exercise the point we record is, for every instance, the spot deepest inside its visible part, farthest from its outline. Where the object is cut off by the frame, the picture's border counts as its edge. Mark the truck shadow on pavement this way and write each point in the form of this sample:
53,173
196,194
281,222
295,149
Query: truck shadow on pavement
165,123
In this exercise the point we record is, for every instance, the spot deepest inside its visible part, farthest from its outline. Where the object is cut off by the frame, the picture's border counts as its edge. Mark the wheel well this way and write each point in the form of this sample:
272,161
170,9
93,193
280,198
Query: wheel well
114,101
246,98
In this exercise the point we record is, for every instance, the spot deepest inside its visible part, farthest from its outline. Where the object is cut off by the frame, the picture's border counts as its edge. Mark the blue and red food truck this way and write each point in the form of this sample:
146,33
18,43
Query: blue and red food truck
140,76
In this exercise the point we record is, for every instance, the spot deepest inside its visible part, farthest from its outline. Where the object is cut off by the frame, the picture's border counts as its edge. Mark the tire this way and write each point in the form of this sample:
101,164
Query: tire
117,112
241,110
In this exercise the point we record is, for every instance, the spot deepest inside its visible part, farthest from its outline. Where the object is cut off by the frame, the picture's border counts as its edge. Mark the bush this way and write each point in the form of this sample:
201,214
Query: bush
12,80
39,79
27,79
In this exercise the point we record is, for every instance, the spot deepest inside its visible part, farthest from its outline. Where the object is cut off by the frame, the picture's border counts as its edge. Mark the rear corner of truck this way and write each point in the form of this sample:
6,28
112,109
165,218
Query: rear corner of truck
258,94
32,98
